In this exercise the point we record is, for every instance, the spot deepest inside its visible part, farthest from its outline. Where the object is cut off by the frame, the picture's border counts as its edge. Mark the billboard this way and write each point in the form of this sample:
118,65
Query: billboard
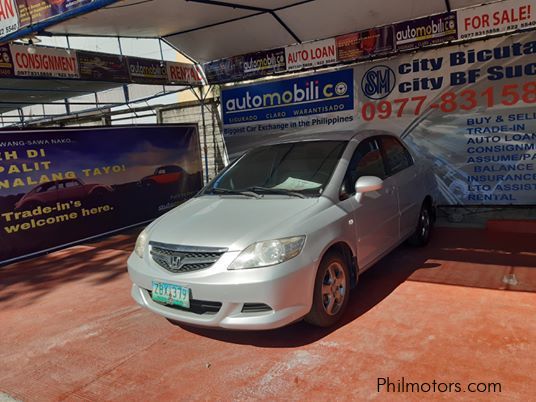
147,71
9,20
310,55
278,106
264,63
365,44
6,62
34,11
102,66
44,62
471,109
499,17
426,31
64,185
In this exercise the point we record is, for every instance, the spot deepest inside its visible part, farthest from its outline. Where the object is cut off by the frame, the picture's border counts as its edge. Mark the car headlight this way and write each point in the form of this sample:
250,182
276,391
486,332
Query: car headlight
269,252
141,243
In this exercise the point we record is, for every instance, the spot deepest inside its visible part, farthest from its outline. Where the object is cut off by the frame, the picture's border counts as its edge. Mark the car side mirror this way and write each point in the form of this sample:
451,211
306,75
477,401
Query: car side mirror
366,184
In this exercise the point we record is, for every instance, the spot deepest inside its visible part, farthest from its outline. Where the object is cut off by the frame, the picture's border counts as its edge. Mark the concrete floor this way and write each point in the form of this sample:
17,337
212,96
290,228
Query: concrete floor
461,310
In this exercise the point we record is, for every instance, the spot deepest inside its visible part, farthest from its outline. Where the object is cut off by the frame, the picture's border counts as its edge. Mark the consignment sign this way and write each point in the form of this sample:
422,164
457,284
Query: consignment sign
62,186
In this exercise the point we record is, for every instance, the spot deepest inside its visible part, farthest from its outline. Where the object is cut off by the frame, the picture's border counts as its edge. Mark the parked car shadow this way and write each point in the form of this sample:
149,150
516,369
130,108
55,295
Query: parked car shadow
374,286
458,257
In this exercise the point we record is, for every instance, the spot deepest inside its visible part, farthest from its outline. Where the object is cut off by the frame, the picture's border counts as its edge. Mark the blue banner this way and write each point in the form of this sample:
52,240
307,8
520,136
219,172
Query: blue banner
292,98
61,186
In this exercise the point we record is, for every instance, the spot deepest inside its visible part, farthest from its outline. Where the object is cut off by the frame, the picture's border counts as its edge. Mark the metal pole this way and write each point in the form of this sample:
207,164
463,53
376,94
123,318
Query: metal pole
202,100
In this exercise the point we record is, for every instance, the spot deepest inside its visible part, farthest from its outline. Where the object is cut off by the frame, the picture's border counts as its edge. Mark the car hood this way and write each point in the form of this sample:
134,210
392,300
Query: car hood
231,222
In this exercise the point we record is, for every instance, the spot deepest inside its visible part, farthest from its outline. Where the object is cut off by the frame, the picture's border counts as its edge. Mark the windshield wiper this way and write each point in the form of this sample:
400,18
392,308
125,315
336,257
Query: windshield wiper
217,190
276,191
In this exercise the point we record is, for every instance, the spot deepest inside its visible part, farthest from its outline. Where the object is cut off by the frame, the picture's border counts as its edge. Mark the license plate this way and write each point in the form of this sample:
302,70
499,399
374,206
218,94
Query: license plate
171,294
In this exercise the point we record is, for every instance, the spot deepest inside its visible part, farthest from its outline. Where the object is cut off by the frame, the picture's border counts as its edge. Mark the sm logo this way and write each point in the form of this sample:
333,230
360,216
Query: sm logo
378,82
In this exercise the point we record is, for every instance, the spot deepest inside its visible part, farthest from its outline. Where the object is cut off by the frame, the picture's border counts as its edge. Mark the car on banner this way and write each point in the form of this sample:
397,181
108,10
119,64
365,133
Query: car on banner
162,175
284,232
59,191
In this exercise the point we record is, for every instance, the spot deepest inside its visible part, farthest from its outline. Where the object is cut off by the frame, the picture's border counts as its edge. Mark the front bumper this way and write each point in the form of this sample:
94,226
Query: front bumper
286,288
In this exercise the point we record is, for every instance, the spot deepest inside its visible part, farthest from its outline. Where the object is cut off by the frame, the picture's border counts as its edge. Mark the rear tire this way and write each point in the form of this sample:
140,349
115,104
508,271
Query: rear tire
421,236
331,291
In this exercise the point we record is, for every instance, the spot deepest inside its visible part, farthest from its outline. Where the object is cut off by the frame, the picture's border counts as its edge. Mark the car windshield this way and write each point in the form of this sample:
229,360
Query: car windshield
296,169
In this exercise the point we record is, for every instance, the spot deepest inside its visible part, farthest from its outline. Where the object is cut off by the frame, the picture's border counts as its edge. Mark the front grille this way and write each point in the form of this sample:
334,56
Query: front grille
196,306
180,259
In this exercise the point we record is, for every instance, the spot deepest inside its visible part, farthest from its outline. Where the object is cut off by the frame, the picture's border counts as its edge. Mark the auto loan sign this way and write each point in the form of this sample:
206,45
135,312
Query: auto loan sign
313,54
9,21
44,62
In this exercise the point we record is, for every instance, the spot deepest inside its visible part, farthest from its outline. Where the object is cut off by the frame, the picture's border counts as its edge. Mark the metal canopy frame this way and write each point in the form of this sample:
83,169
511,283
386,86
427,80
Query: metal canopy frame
258,10
209,33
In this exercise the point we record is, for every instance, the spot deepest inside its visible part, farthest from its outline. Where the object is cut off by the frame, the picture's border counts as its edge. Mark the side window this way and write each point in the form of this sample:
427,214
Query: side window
366,161
397,156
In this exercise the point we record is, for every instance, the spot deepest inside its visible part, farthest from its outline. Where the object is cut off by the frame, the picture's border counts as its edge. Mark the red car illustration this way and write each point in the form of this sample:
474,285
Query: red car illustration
61,190
168,174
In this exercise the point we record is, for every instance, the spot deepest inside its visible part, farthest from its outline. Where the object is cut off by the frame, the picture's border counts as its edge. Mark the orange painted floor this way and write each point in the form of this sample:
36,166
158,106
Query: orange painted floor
462,310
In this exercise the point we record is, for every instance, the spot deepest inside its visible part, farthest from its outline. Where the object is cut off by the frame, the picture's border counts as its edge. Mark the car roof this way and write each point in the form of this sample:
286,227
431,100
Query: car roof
325,136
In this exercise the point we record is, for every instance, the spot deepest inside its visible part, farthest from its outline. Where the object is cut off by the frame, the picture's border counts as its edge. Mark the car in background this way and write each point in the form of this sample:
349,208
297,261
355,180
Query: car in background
61,190
163,175
284,232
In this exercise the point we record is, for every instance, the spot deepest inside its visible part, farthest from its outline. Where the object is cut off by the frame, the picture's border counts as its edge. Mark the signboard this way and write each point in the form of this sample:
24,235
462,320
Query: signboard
44,62
364,44
313,102
312,54
147,71
62,186
225,70
102,66
34,11
502,16
260,64
470,109
6,62
426,31
9,21
182,73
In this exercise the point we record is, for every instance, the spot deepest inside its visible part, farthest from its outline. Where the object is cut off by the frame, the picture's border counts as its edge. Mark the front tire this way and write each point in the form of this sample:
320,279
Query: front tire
331,291
421,236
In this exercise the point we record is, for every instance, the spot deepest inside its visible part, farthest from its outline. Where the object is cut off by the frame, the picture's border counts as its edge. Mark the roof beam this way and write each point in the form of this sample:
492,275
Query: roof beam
258,10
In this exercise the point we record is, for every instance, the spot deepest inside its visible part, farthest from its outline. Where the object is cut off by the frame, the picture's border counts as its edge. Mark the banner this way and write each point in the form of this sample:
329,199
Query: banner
225,70
6,62
264,63
471,109
147,71
9,21
62,186
182,73
311,55
365,44
102,66
34,11
502,16
38,61
279,106
426,31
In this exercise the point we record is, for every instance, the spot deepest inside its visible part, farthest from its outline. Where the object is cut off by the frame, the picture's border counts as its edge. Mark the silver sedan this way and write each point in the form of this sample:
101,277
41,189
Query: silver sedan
283,233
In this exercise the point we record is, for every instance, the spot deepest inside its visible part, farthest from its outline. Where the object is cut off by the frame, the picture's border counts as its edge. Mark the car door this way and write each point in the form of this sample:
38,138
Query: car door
402,170
70,190
376,213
